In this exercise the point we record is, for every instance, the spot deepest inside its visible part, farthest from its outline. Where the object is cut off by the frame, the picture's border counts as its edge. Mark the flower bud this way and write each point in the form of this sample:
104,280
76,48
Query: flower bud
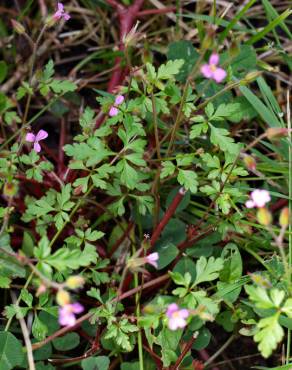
132,37
284,217
251,76
249,162
63,297
260,280
10,189
50,21
264,217
75,282
41,290
234,49
147,56
18,27
276,132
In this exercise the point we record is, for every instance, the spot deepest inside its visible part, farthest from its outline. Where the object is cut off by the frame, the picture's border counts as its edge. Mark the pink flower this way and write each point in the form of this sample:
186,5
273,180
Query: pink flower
41,135
60,13
258,199
114,110
176,316
152,259
211,70
67,313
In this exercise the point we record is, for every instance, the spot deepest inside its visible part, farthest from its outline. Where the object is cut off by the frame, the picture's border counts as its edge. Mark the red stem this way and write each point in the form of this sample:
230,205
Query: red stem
170,9
61,165
121,239
168,214
182,355
127,17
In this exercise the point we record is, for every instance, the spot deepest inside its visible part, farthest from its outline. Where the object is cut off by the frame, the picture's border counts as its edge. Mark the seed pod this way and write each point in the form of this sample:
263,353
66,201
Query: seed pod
264,217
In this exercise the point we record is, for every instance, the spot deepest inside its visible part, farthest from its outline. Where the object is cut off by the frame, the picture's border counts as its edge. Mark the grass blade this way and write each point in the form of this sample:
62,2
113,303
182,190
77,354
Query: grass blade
269,27
239,15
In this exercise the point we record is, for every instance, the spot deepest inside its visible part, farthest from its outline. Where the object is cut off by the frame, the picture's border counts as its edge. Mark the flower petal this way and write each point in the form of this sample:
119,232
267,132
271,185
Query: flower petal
119,99
173,307
41,135
57,15
30,137
260,197
113,111
77,307
184,313
206,71
66,16
36,146
60,7
219,74
180,322
249,204
214,59
172,324
152,259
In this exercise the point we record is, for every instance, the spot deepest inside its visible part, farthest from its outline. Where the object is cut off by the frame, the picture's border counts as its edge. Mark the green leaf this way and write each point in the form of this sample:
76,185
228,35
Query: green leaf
48,70
185,50
232,269
261,298
171,68
39,329
3,70
244,62
67,342
9,266
207,270
226,111
220,137
188,179
167,253
209,304
269,335
287,308
4,282
61,87
168,169
202,340
26,297
96,363
27,244
129,175
65,258
198,129
168,340
186,265
11,354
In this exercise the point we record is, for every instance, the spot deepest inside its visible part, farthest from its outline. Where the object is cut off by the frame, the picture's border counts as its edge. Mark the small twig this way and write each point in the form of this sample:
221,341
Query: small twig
186,349
88,315
25,333
220,350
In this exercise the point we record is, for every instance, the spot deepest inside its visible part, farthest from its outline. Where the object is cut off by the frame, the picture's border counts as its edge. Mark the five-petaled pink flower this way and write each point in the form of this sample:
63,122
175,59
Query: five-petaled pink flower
67,313
176,316
258,199
152,259
60,13
211,70
114,110
41,135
